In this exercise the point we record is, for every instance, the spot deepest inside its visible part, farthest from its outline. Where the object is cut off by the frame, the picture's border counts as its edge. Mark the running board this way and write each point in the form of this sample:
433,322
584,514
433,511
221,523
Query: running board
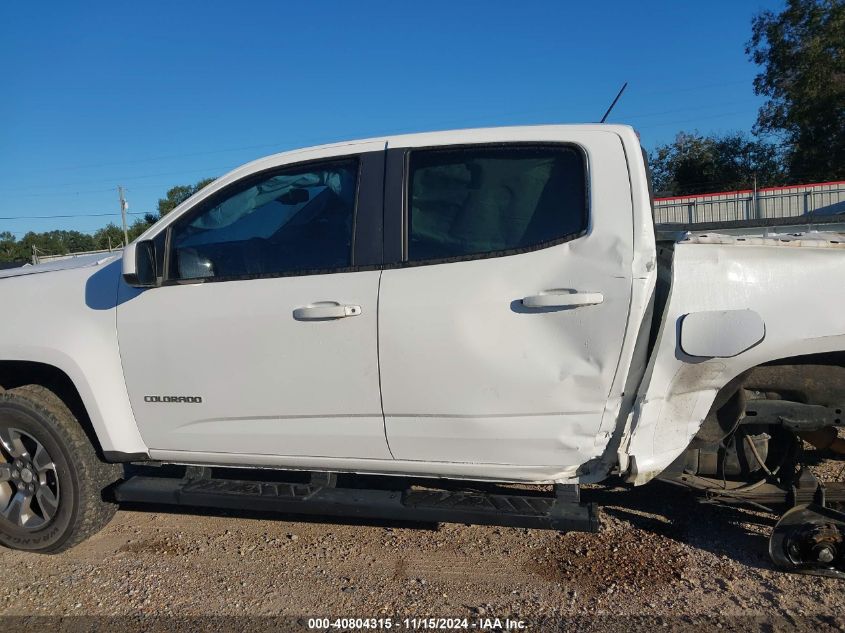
564,511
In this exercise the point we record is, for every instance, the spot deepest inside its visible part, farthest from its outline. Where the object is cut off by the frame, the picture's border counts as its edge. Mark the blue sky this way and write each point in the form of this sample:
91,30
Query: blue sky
153,94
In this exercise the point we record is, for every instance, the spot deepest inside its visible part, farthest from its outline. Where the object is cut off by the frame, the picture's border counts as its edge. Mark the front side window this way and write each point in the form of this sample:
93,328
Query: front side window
299,219
483,200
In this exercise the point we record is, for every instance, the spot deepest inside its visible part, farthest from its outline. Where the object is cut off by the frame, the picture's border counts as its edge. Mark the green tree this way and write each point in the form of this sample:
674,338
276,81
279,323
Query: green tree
10,249
76,242
56,242
139,226
694,163
178,194
802,54
110,236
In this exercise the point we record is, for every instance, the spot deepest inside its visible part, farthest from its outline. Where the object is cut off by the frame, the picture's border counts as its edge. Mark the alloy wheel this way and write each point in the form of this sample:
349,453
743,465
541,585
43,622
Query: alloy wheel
29,484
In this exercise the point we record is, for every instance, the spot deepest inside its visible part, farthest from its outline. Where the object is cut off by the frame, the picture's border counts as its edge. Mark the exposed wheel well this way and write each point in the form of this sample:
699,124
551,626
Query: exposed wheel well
810,379
770,408
15,373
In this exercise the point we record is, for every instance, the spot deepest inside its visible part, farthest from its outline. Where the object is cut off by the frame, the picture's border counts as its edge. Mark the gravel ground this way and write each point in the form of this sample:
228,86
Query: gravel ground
660,556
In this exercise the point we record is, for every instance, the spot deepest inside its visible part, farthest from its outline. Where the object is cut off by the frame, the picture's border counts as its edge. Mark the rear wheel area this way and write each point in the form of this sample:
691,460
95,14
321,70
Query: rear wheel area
51,480
750,451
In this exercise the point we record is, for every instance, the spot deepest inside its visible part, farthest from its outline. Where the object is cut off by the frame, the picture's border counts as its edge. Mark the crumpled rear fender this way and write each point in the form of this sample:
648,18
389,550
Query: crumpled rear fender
784,284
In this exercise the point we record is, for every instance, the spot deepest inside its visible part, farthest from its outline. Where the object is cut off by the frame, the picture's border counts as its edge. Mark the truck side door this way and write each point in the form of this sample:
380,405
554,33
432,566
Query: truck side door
502,323
262,339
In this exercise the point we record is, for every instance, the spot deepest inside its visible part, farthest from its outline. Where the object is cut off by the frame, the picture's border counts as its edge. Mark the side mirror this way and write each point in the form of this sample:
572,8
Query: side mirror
139,264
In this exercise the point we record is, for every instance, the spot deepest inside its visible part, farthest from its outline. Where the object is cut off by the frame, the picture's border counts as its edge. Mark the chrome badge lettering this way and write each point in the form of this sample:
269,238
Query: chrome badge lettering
174,399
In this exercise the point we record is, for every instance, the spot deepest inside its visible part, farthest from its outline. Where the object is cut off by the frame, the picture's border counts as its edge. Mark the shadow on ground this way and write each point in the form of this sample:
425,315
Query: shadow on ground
657,508
684,517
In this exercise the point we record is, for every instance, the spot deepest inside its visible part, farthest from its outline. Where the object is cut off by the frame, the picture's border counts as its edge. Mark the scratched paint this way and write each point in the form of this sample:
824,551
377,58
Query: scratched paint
778,278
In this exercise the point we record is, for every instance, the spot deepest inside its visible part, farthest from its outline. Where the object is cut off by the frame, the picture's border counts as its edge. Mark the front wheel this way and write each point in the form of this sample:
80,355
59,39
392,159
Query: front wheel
51,480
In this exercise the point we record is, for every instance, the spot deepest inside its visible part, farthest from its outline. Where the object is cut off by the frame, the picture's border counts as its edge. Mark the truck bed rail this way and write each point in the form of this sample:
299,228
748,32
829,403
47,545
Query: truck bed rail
763,226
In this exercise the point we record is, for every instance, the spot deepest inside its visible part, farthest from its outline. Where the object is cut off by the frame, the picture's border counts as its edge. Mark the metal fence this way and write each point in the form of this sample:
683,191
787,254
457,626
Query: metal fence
40,257
820,199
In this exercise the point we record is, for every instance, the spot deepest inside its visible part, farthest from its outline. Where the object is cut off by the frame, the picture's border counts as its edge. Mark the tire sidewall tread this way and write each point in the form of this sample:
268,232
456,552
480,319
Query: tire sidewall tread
83,470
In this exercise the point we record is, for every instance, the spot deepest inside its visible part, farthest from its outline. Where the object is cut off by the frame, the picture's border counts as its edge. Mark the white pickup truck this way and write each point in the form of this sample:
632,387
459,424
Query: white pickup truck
483,305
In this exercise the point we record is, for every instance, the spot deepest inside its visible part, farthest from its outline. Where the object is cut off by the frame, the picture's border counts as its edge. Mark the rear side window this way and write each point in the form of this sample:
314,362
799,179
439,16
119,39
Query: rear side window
292,221
491,200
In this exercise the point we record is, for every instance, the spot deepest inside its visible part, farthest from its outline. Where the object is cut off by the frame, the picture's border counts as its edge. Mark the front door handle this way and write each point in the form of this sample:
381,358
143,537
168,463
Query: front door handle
325,311
562,299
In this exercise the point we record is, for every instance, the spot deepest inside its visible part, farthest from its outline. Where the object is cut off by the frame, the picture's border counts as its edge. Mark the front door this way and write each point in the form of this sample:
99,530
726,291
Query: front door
500,331
262,338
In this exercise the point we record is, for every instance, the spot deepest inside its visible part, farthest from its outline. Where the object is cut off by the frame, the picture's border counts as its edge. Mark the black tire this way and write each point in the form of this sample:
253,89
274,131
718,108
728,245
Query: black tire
78,475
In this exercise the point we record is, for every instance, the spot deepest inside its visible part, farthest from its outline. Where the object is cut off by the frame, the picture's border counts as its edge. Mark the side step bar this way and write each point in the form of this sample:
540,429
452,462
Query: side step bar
563,512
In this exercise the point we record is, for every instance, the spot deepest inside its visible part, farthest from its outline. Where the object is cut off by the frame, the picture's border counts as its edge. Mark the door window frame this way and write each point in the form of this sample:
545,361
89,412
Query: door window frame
397,203
366,248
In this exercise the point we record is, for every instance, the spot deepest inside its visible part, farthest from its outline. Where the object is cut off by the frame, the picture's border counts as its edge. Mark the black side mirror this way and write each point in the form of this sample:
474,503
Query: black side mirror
144,274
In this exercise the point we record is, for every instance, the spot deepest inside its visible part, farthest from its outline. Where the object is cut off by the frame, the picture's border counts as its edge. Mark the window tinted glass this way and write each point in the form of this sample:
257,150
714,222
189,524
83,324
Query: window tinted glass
469,201
296,220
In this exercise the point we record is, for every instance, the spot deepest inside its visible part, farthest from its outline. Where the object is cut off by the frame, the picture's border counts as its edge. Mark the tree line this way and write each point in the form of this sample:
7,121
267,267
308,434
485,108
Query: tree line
61,242
799,136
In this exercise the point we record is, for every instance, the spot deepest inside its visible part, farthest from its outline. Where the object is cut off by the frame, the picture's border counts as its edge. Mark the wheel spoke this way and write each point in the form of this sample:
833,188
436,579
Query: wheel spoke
11,441
19,510
29,487
41,460
47,501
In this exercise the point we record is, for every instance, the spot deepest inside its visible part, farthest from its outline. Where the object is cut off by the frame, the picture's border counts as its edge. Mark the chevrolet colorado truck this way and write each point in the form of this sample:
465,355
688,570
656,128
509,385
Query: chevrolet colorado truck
439,316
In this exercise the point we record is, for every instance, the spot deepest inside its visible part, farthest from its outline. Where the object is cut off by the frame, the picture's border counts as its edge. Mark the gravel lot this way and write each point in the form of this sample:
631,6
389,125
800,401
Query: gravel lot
660,556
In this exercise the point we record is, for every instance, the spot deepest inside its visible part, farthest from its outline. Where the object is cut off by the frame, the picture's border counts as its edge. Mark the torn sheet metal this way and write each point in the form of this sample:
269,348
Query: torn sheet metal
781,281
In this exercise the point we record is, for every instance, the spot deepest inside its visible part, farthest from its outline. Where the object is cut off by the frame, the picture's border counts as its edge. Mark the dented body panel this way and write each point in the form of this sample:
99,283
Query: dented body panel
779,279
470,374
451,373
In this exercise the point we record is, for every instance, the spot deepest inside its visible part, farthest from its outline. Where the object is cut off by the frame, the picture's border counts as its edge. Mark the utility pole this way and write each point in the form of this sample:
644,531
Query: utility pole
123,207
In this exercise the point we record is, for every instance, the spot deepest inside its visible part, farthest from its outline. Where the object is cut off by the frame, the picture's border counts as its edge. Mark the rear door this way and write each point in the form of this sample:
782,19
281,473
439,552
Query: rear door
502,322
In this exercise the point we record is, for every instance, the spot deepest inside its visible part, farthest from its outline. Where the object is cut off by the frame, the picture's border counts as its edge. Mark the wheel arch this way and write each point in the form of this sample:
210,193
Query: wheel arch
16,373
79,397
668,423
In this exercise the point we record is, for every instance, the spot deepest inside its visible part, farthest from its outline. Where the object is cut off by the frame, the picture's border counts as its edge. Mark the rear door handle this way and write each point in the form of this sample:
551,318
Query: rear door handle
562,299
325,311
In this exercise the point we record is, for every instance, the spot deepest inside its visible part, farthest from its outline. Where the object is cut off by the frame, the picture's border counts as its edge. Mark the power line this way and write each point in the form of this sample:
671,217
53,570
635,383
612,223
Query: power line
694,109
152,159
694,88
71,184
74,192
65,193
277,144
68,215
314,140
703,118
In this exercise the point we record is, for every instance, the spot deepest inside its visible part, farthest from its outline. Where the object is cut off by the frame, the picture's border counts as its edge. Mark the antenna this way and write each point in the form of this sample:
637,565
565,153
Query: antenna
619,94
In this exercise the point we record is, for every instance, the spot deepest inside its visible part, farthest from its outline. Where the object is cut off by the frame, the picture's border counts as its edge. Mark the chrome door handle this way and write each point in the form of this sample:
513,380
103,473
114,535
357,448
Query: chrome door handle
325,310
562,299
